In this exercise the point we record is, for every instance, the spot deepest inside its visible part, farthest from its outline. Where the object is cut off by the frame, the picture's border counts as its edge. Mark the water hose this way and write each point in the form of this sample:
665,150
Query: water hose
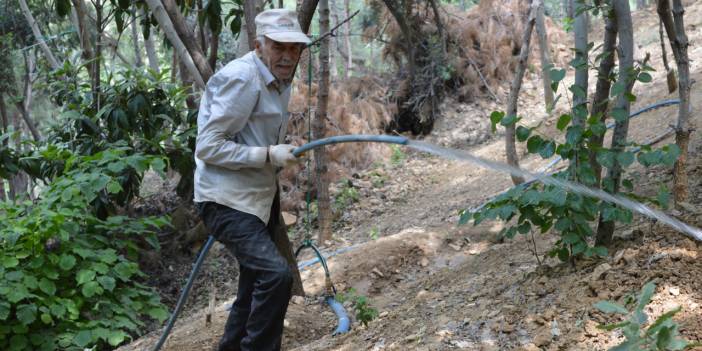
388,139
344,321
186,291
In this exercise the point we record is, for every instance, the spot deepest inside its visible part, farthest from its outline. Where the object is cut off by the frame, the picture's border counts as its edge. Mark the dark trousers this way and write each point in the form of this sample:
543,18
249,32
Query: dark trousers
265,280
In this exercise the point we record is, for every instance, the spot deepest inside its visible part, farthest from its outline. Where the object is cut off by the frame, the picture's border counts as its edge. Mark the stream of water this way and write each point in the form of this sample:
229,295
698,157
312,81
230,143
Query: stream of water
638,207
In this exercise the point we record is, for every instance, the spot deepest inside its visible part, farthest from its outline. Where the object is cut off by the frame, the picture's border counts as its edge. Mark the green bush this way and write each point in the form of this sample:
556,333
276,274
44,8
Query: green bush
69,279
361,304
662,334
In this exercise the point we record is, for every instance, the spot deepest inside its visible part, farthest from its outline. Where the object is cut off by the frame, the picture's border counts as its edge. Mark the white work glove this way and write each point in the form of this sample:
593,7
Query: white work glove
281,155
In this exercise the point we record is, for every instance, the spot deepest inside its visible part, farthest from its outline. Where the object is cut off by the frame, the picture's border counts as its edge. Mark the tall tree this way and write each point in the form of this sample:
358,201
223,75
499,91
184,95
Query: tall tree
166,25
37,34
185,33
625,51
600,101
675,28
545,55
580,29
347,40
24,105
319,129
251,9
86,43
510,147
151,52
135,40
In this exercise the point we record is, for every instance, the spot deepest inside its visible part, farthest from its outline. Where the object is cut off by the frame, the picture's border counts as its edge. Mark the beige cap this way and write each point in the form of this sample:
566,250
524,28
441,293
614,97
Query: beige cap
280,25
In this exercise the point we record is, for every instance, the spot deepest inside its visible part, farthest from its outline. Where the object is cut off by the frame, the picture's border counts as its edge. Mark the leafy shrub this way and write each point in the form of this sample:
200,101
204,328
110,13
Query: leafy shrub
543,207
361,304
347,195
662,334
398,156
68,278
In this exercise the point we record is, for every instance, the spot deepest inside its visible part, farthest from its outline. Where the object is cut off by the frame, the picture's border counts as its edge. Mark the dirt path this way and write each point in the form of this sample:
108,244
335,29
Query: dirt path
440,286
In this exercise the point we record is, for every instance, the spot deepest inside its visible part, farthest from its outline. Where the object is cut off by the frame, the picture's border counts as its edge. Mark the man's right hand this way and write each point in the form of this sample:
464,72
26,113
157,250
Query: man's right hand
281,155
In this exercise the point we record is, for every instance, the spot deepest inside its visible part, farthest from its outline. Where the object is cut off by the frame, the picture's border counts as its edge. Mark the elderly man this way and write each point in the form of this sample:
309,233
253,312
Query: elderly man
240,146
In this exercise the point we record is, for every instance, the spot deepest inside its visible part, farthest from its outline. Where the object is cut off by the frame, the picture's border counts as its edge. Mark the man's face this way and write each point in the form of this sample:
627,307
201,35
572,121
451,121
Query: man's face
281,58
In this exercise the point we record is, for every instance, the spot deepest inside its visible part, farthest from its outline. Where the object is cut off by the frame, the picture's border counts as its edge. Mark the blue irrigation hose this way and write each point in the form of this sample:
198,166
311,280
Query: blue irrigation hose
185,293
390,139
344,322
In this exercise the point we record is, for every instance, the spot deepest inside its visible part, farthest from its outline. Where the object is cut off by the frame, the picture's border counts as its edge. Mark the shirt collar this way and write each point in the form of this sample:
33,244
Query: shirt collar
265,72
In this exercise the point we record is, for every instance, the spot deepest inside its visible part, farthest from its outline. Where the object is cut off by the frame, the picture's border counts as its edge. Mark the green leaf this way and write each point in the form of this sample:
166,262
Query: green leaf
4,310
116,337
83,338
26,314
610,327
159,314
523,133
91,289
600,251
619,114
107,282
646,293
617,89
123,270
578,91
18,342
495,118
113,187
610,307
557,75
58,310
563,121
644,77
66,262
663,197
534,144
46,318
63,7
509,120
662,319
85,275
625,159
547,149
9,262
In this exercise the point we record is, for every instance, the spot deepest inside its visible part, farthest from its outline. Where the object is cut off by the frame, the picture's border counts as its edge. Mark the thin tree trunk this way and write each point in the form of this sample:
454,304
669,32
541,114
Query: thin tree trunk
167,26
201,31
320,157
135,40
600,101
19,181
86,43
185,34
510,147
305,12
151,52
214,48
37,35
25,105
3,128
439,26
625,50
347,41
332,53
545,57
98,52
675,28
581,71
251,9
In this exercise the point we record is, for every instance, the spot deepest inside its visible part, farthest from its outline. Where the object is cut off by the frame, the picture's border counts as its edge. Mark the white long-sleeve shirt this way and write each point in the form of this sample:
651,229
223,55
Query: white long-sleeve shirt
242,111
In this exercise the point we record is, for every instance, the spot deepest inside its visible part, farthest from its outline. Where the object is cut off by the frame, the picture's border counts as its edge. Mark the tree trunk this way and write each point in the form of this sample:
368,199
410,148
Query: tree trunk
320,156
151,53
175,65
135,40
347,41
185,33
86,43
510,147
600,101
545,55
178,46
214,48
622,13
439,26
37,35
332,53
401,18
568,8
25,105
580,28
305,12
675,29
19,181
251,9
98,52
